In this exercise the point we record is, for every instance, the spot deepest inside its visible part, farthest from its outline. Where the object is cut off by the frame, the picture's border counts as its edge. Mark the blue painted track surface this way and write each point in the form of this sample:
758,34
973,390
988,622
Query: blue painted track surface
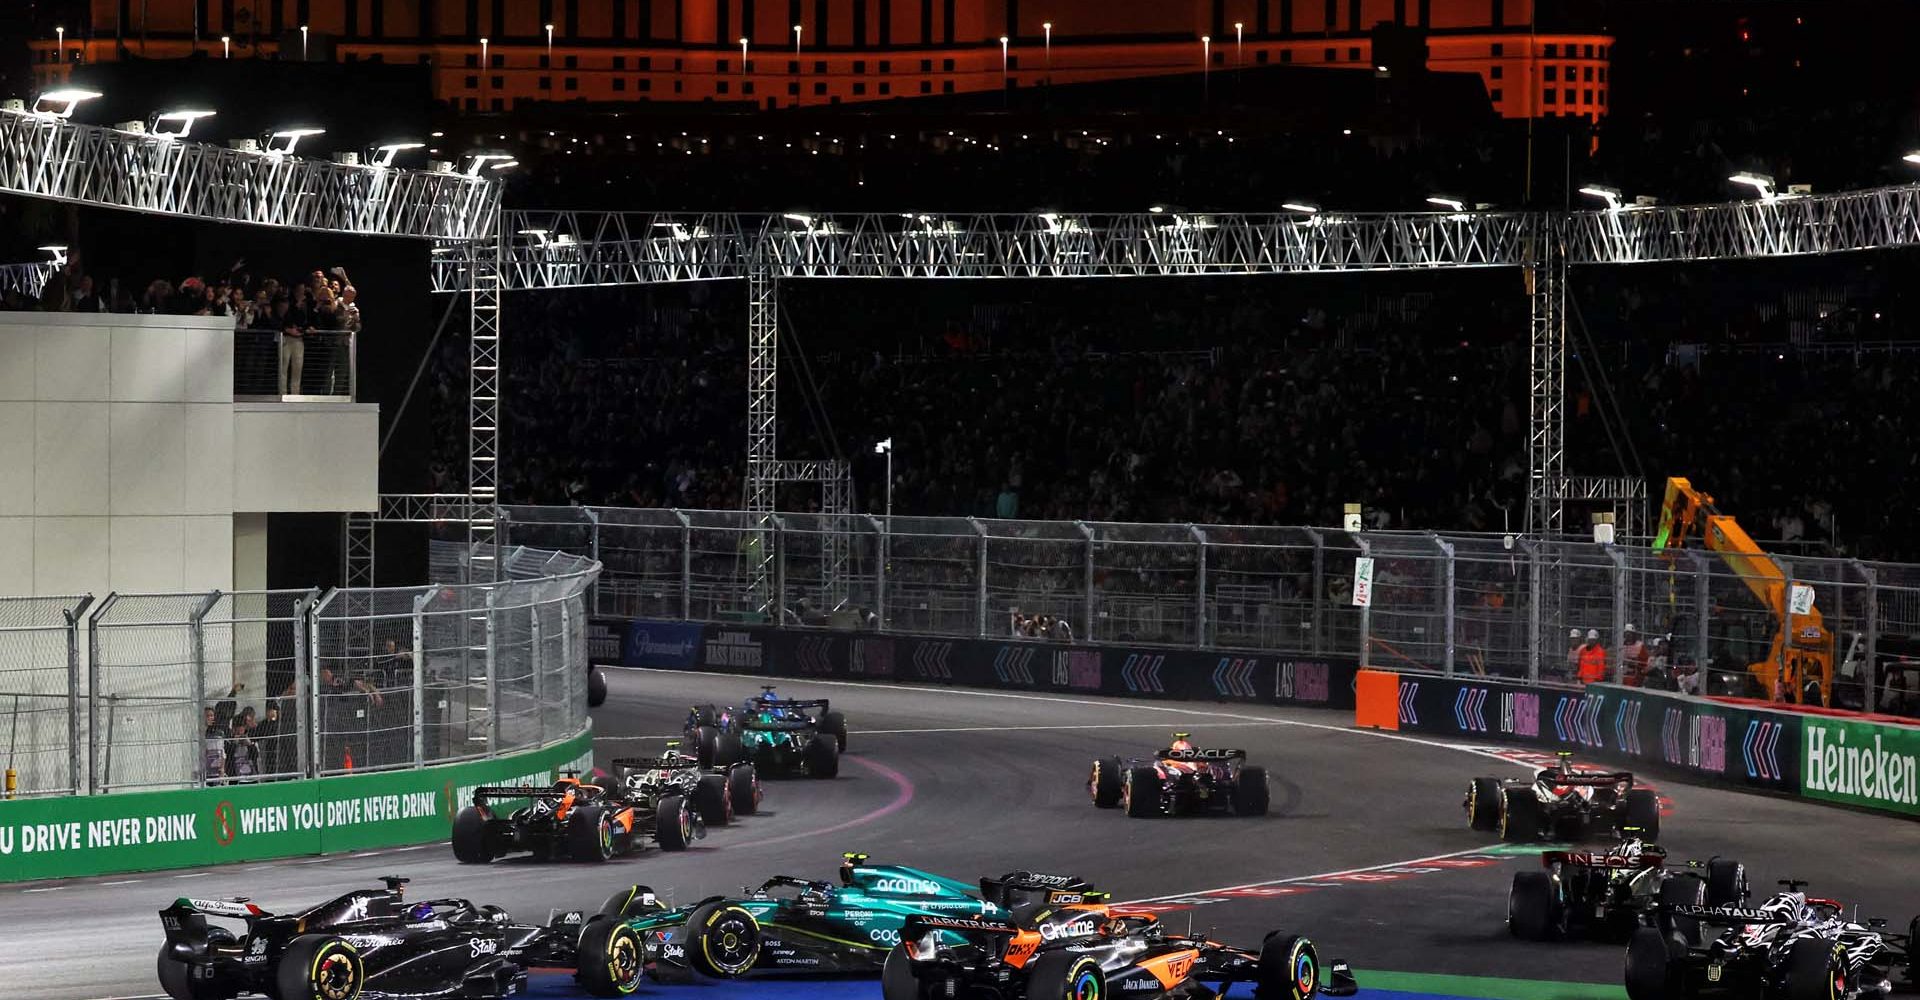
560,986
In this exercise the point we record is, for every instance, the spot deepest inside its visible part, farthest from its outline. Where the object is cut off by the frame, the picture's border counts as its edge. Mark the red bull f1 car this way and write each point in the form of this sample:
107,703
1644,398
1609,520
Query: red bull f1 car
1183,778
1563,803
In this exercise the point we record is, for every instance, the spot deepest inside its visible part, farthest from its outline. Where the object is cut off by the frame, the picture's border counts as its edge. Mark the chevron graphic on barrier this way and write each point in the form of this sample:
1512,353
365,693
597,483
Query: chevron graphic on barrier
812,654
930,660
1012,665
1670,736
1234,676
1563,711
1591,706
1141,672
1761,748
1469,710
1626,726
1409,715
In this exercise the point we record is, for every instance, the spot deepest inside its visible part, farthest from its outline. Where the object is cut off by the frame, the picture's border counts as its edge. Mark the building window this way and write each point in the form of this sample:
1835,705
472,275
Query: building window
926,86
473,83
546,83
499,105
543,60
885,88
859,65
1566,96
425,60
1499,49
573,62
1603,98
1588,76
859,89
472,60
1353,54
646,84
946,64
1286,55
886,65
1552,50
926,65
1603,74
619,84
472,105
1330,54
721,87
620,62
1498,72
946,87
1603,52
646,62
1495,94
1260,58
573,83
1549,95
1550,74
496,62
499,82
1586,96
1589,51
819,90
749,65
747,87
1013,62
677,86
793,89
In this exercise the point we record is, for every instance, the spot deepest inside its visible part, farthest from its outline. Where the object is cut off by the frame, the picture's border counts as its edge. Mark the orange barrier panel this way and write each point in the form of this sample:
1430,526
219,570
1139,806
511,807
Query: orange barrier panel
1376,699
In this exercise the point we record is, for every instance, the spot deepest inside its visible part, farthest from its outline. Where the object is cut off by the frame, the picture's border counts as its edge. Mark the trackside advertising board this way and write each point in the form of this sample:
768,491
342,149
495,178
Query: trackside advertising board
1860,763
143,831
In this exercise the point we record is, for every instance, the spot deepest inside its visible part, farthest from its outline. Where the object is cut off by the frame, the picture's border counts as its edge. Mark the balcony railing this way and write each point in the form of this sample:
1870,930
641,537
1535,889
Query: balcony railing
327,370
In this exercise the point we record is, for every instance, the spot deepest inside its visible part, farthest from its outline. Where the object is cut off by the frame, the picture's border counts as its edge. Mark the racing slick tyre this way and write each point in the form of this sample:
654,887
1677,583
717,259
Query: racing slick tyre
704,715
723,940
727,749
711,800
1249,796
1530,906
835,723
470,846
823,758
1140,792
897,981
1682,891
1065,975
1726,882
743,789
1289,968
178,979
1483,803
705,740
1520,815
1651,973
319,967
1103,783
611,958
672,823
596,687
1642,809
633,901
1816,969
590,834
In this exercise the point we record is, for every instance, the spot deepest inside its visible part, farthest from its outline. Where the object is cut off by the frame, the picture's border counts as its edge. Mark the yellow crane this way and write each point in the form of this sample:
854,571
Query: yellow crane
1801,644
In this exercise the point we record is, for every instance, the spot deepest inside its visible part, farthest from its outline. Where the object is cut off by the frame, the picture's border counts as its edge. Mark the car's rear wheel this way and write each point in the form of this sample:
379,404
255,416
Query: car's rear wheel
590,834
1483,803
897,981
1140,792
470,846
1726,882
728,749
823,757
704,740
610,958
319,967
1249,796
1520,815
182,981
743,789
1642,810
710,799
1289,968
1065,975
1103,782
836,724
672,823
1680,890
1530,906
596,687
1816,969
1651,973
723,939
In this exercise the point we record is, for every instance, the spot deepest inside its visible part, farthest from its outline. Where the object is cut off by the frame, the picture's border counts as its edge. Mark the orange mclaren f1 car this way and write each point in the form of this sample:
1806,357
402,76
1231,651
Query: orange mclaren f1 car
1094,951
568,819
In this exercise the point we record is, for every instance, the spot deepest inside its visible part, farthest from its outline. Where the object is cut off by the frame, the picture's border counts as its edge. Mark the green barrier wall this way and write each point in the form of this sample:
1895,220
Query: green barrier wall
1860,763
143,831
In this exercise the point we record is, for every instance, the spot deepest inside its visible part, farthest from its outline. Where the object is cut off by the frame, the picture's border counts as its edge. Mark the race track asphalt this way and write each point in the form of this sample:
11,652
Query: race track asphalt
1365,850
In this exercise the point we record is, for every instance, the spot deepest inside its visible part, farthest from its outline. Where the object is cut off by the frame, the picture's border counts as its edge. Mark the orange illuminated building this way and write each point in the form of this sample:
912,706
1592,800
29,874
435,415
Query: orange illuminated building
782,53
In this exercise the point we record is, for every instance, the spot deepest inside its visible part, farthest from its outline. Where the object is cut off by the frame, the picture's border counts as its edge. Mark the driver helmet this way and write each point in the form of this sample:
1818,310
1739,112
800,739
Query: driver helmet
1180,742
420,912
1631,848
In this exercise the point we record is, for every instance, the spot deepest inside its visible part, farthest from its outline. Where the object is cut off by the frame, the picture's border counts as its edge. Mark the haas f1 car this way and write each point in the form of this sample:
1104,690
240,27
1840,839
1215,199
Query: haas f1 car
796,925
780,736
1093,951
1181,779
369,943
1791,947
1609,893
1563,803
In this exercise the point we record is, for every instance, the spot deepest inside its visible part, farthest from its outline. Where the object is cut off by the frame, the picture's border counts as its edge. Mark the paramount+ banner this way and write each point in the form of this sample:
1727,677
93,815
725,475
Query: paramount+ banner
1007,664
1861,763
144,831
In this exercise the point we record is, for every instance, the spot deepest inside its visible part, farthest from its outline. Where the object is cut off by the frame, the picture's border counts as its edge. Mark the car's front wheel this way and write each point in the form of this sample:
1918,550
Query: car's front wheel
319,967
1249,796
1816,969
723,939
743,788
1289,968
1065,975
1140,792
1530,906
1103,782
1651,973
1483,803
609,958
672,823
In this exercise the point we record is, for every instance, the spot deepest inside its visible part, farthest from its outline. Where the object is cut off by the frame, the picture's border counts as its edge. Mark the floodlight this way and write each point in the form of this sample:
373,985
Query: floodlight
282,143
801,218
505,165
58,253
1607,194
478,160
183,119
883,447
59,104
383,155
1454,204
1761,183
1305,208
1912,157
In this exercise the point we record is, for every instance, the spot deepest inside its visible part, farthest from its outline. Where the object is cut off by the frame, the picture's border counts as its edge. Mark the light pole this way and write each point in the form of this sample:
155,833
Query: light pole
743,59
303,43
226,46
1206,67
1239,44
60,48
549,46
886,448
1047,26
796,40
1003,63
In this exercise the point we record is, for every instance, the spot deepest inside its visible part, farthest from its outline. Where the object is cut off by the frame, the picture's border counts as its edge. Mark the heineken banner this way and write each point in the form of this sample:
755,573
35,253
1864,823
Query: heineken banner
141,831
1860,763
1005,663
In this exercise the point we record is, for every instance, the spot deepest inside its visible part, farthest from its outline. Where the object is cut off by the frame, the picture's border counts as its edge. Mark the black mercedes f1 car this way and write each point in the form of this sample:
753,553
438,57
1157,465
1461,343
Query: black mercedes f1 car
367,943
1791,947
1181,779
1090,952
1563,803
1609,893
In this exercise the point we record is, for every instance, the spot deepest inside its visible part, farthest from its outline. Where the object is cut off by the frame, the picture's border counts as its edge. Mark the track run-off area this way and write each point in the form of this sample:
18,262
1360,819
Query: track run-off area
1366,849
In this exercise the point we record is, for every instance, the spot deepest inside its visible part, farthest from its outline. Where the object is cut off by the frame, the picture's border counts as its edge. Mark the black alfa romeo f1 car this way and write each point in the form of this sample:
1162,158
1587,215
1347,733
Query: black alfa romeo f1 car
1609,893
367,943
1791,947
1181,779
1090,952
1563,803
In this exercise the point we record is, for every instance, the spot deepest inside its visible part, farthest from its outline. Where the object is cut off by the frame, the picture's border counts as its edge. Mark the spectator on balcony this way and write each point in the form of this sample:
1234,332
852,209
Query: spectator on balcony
274,755
243,756
1593,659
350,308
85,299
295,322
215,743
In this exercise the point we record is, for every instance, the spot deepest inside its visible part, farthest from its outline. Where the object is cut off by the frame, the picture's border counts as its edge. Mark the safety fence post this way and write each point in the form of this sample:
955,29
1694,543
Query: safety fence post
1871,665
1533,609
593,520
493,685
1092,611
72,618
1366,611
1447,611
980,579
779,545
1780,692
686,565
1319,590
1199,586
419,677
197,684
539,678
880,571
1619,560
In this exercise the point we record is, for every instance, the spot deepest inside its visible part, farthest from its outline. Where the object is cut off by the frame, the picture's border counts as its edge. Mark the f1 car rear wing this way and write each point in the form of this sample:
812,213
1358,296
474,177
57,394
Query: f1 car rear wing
1201,754
1650,859
1585,779
495,793
1021,887
185,923
822,704
1728,916
674,763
